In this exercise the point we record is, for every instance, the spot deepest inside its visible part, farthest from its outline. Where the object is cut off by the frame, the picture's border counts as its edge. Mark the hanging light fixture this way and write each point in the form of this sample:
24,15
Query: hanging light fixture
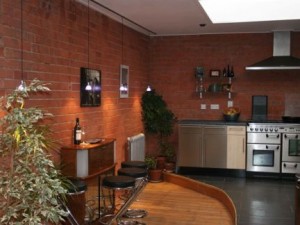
148,88
88,87
22,85
124,71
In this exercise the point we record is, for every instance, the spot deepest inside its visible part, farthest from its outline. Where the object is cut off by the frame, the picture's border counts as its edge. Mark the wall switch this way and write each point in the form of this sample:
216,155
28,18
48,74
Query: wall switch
214,106
203,106
229,103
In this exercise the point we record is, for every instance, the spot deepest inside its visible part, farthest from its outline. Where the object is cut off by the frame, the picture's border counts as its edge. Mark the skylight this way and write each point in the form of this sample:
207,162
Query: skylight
237,11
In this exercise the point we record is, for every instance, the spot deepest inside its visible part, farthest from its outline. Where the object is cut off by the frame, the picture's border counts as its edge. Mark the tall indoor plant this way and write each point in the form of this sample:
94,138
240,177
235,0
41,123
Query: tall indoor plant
158,119
30,185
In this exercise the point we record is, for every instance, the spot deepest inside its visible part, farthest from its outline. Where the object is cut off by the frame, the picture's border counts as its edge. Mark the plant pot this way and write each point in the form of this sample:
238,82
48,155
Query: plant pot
155,175
161,160
170,166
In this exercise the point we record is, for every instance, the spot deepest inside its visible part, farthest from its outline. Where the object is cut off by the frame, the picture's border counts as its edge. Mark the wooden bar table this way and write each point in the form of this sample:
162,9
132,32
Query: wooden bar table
90,162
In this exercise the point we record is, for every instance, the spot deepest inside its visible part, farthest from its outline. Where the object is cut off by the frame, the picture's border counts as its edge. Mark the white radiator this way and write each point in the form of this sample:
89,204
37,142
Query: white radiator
136,147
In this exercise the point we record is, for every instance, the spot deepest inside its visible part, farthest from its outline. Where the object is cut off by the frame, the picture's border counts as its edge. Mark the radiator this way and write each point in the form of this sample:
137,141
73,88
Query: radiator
136,147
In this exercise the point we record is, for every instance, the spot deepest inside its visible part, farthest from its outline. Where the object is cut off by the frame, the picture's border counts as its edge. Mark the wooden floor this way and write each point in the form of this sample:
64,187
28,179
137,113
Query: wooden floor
169,203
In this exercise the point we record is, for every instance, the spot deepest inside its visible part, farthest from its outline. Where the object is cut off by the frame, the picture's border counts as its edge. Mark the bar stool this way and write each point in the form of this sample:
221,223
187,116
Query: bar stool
135,164
75,205
140,175
115,185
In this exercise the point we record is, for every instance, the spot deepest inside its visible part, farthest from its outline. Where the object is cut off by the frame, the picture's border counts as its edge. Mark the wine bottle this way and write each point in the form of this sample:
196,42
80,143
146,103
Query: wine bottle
77,133
224,73
231,72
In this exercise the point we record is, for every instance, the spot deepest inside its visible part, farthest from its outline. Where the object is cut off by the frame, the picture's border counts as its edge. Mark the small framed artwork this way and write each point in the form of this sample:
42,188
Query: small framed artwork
215,73
124,81
90,87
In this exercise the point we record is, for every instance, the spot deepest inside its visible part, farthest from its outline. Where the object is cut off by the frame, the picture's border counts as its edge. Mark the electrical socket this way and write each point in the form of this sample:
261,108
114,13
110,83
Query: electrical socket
229,103
203,106
214,106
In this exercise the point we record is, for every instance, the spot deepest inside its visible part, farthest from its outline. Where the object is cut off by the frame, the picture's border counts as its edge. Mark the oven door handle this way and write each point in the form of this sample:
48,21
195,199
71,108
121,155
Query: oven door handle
295,136
290,165
275,148
272,136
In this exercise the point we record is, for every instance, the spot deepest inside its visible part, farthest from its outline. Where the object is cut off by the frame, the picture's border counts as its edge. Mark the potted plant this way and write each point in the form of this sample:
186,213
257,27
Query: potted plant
155,174
30,185
157,119
169,152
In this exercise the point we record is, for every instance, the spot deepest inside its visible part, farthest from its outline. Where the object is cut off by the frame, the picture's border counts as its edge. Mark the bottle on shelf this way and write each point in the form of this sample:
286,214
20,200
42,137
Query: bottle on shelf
77,133
231,74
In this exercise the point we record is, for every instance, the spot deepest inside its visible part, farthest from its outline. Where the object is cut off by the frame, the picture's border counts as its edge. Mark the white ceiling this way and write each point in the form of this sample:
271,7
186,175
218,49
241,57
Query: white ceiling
178,17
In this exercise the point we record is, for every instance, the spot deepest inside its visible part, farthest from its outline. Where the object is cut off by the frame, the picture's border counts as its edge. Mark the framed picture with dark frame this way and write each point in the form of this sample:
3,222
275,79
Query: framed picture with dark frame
90,87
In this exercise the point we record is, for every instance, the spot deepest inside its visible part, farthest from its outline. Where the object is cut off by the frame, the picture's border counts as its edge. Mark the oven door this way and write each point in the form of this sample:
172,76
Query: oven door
263,158
291,147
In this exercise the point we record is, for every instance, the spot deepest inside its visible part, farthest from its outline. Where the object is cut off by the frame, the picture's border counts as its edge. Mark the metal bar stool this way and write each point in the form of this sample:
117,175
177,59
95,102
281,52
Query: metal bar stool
115,185
75,204
140,175
135,164
117,218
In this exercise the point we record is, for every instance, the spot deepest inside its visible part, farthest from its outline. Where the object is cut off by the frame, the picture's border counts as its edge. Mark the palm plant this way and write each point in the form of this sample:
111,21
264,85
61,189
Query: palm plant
30,185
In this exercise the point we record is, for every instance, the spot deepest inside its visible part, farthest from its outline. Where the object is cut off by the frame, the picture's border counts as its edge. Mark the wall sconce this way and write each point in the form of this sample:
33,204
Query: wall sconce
199,74
124,81
148,88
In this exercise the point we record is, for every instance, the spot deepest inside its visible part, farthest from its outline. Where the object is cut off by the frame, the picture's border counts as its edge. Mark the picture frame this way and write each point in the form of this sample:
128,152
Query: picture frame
124,81
215,73
90,87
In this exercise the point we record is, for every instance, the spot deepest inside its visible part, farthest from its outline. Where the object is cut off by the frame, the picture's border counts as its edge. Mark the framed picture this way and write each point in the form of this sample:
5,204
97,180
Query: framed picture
90,87
124,81
215,73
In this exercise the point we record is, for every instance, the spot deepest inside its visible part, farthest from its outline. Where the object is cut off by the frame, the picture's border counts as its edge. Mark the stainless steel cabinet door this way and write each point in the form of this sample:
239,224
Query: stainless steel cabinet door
190,150
215,146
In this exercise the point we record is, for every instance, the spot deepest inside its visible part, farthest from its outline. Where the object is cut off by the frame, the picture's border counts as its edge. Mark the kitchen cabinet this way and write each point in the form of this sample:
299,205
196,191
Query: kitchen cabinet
202,146
236,147
209,145
190,146
214,146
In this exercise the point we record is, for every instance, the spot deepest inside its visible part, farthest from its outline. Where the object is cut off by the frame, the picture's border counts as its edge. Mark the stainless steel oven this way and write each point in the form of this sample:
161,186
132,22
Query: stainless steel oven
291,149
263,148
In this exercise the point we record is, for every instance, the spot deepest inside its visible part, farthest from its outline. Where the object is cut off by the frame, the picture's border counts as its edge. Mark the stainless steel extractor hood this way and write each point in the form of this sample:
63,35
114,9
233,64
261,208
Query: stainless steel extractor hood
281,60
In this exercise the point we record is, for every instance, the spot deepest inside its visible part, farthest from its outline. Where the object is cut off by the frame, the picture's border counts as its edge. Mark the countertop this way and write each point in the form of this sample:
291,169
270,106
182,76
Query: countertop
211,122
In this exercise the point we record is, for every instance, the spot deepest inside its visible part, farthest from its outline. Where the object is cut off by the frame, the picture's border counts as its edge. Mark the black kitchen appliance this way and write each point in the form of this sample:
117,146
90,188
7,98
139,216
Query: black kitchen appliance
259,108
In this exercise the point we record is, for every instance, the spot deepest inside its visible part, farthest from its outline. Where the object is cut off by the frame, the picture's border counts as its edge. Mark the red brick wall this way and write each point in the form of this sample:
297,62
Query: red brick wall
55,44
173,60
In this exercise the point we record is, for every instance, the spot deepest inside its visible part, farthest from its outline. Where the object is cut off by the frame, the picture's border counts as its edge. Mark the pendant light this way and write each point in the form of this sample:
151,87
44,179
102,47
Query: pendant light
148,88
22,85
88,87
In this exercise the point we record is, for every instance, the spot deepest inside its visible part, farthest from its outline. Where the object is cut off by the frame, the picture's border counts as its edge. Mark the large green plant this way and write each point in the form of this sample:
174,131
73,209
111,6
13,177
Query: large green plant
30,185
157,118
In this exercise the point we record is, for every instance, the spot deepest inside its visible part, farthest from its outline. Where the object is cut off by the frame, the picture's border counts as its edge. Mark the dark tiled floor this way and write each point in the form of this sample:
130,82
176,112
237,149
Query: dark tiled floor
258,201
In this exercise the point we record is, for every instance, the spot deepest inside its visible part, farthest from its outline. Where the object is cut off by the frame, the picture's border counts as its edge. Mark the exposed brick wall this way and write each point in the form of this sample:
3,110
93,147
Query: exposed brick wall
56,38
173,60
56,46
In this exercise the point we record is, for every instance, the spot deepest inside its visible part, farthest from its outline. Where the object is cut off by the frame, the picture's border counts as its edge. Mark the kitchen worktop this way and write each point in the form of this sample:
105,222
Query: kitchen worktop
211,122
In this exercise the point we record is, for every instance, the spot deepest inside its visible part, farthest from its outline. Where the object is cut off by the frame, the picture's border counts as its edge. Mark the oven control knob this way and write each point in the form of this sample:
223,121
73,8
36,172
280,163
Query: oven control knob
271,129
256,129
261,129
251,128
276,129
266,129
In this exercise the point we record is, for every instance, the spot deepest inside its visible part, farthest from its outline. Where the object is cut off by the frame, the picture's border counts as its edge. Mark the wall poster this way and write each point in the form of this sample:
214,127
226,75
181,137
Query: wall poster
90,87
